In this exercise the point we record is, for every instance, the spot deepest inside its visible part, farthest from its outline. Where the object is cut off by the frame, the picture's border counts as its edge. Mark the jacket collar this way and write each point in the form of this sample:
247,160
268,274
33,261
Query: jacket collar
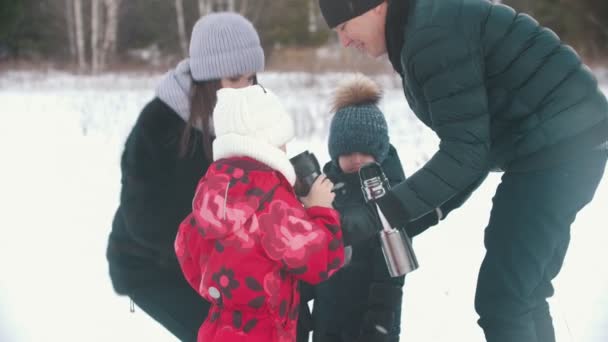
396,20
235,145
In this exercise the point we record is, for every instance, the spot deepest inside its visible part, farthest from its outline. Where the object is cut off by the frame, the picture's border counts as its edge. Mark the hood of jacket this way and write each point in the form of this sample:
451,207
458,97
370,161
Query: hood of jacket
230,194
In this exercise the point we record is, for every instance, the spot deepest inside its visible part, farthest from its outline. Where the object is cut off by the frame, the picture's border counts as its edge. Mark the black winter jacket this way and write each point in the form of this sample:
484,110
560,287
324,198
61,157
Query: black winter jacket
157,191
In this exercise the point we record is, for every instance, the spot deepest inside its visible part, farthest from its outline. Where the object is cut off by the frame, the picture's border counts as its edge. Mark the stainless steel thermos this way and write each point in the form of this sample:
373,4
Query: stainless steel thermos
396,245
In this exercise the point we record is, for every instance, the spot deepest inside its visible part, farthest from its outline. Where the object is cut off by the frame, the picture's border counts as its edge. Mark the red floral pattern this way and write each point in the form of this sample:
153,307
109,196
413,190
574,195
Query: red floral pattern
289,235
245,245
225,281
216,215
272,286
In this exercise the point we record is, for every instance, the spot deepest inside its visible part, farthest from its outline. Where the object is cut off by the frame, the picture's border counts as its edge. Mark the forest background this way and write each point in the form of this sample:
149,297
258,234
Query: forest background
94,36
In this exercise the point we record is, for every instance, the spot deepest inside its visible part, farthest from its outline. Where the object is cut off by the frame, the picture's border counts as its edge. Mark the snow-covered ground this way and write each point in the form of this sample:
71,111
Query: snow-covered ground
60,143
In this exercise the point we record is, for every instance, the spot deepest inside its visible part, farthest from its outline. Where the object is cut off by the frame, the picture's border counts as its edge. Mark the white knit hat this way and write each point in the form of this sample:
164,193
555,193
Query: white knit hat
253,122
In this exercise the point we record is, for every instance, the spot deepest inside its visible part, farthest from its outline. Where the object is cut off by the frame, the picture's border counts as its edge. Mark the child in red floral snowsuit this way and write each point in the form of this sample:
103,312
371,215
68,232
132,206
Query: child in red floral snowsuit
249,240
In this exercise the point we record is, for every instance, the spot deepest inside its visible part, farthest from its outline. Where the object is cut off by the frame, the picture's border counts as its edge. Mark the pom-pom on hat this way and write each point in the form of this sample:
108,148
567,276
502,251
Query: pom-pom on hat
358,125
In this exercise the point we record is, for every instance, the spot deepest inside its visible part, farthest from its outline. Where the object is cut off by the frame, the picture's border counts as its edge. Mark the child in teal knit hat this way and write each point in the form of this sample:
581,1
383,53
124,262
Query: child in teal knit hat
361,302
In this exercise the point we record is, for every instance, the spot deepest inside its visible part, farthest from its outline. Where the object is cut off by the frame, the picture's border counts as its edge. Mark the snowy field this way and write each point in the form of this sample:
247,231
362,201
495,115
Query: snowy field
60,143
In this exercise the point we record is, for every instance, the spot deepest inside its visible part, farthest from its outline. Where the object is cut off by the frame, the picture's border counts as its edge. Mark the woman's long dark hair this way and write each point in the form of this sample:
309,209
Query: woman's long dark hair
203,97
202,101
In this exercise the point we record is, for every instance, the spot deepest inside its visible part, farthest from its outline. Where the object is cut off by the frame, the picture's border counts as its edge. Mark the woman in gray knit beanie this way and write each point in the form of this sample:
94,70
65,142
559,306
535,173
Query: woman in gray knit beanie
225,52
166,153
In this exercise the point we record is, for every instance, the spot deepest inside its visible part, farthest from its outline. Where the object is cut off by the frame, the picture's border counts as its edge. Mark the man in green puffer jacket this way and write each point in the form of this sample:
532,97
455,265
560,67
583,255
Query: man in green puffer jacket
502,94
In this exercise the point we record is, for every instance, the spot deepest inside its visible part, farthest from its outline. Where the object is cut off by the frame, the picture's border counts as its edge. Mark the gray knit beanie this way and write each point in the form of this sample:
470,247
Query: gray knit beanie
224,44
358,125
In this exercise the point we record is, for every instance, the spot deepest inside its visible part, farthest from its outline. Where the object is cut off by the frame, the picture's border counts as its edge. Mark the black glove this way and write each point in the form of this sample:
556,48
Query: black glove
397,215
393,210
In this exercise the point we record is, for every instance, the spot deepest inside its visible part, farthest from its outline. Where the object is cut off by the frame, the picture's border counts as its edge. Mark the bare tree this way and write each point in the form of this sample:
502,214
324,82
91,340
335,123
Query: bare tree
95,30
244,7
223,5
256,12
204,7
312,16
181,26
80,39
230,5
207,6
69,19
111,31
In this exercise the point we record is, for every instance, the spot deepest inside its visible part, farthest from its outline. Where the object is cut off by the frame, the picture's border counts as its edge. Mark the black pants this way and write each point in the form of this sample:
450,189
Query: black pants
305,324
175,305
526,242
342,303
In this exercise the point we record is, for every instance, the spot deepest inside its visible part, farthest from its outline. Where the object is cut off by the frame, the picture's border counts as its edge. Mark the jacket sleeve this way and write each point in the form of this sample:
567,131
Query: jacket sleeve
330,258
448,69
394,172
148,195
188,246
421,224
307,242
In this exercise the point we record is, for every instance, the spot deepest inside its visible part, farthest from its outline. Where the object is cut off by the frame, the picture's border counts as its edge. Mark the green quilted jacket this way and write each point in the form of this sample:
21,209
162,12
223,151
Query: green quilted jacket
500,91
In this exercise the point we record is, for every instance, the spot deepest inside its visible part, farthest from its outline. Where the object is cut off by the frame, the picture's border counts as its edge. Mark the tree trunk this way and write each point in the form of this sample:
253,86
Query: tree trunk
244,7
69,18
204,7
312,17
80,43
257,11
181,26
95,28
111,31
230,5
